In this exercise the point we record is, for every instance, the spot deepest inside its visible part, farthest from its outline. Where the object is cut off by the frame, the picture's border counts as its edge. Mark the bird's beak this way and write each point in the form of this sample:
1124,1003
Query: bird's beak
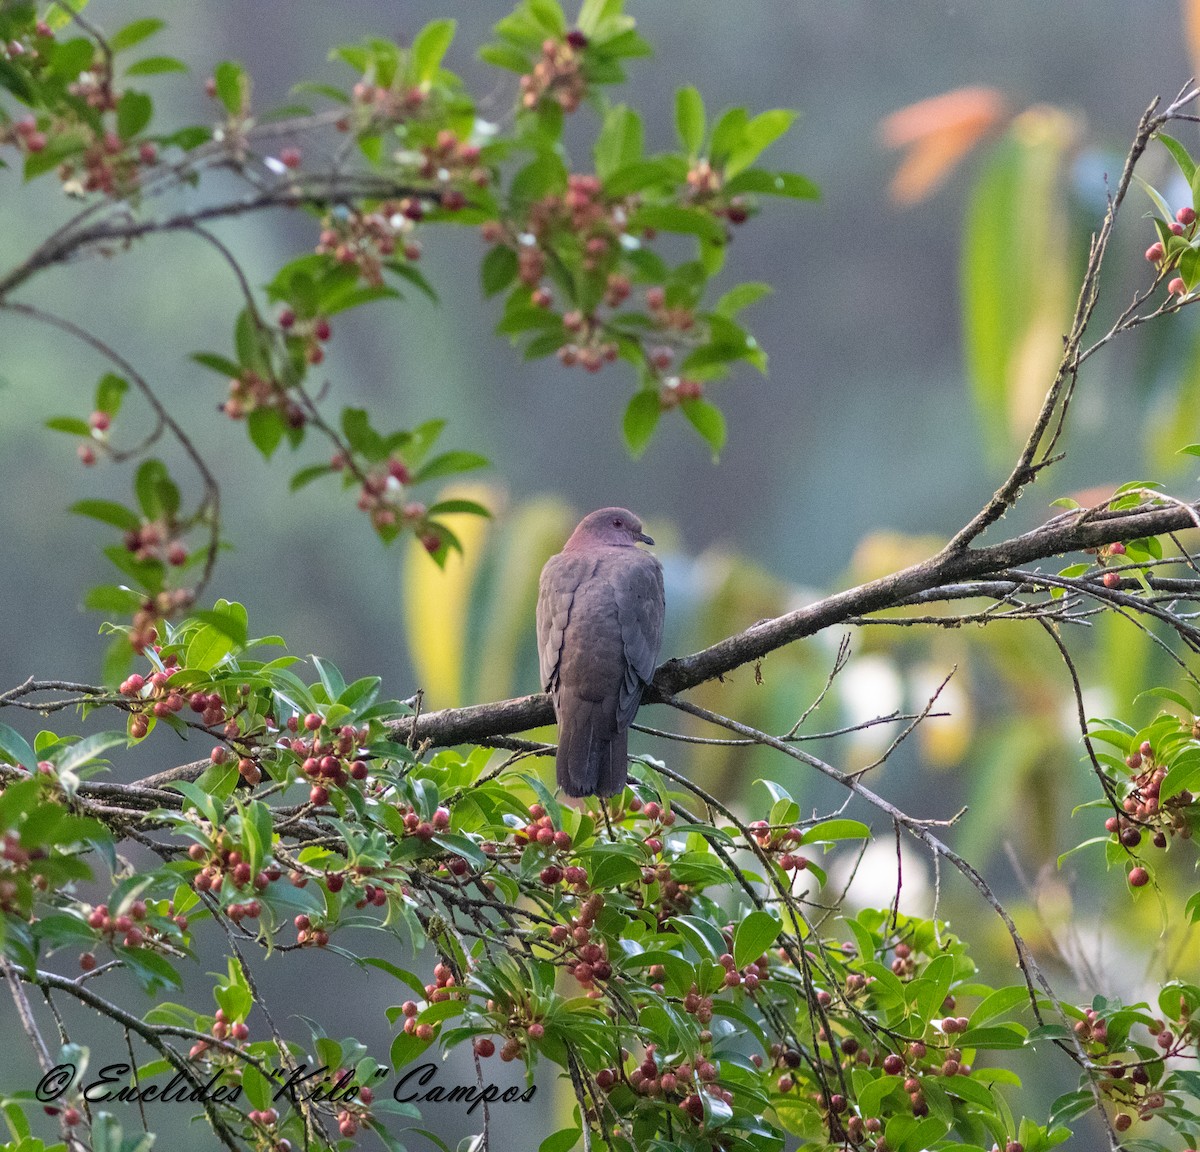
644,538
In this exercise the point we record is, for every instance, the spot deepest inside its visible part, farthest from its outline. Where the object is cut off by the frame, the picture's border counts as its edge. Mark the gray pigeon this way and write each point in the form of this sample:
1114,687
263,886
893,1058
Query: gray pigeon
599,624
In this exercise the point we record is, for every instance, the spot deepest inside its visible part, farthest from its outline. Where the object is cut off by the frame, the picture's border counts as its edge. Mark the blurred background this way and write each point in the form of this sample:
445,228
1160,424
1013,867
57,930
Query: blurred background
916,319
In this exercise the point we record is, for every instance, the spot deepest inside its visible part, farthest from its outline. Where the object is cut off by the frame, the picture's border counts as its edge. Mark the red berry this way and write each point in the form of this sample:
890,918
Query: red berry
485,1046
87,961
318,795
86,454
1186,215
1111,579
101,421
290,157
1138,877
1177,287
321,329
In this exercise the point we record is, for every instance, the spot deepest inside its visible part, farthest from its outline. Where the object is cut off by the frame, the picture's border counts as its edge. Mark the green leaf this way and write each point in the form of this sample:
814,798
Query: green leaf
135,33
429,48
156,65
72,425
789,184
561,1141
727,134
753,936
449,464
742,296
221,364
471,506
1186,164
109,392
499,269
308,475
708,420
619,142
90,748
233,86
758,135
265,428
836,830
505,56
156,492
669,218
110,598
16,748
108,512
641,418
689,120
133,114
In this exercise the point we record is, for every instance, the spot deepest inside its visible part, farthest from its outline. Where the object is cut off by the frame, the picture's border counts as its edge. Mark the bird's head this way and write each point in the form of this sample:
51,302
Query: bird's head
613,526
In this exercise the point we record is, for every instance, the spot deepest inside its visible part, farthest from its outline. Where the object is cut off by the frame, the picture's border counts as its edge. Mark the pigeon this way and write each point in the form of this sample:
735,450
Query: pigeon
599,627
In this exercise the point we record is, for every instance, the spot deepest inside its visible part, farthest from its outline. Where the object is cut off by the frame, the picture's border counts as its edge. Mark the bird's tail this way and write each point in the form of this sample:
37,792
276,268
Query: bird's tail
592,758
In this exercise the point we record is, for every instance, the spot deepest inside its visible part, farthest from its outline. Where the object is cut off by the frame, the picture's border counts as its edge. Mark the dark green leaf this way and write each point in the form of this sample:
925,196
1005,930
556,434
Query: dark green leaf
708,420
265,426
499,269
16,748
753,936
641,418
133,114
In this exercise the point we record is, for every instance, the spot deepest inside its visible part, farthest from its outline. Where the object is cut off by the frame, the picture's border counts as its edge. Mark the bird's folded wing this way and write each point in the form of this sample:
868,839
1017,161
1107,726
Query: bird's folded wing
638,589
560,580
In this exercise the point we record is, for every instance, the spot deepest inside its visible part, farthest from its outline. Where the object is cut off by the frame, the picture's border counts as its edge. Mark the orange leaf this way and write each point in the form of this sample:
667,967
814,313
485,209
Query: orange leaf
936,134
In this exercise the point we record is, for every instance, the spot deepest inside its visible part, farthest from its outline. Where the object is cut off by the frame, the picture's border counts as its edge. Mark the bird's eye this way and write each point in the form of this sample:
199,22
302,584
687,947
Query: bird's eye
617,523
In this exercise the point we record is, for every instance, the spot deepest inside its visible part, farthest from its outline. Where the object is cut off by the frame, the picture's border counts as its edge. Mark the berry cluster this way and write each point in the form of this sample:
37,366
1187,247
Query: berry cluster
1133,1084
367,240
155,540
109,165
224,863
584,957
222,1029
382,496
780,841
155,695
704,188
1145,813
129,929
328,758
558,75
250,392
1184,225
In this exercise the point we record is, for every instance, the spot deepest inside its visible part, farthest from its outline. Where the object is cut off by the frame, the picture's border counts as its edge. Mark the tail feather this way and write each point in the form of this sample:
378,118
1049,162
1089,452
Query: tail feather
592,758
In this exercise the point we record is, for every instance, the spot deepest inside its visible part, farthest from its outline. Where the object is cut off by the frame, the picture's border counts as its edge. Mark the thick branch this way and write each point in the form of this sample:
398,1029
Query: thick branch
1064,534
